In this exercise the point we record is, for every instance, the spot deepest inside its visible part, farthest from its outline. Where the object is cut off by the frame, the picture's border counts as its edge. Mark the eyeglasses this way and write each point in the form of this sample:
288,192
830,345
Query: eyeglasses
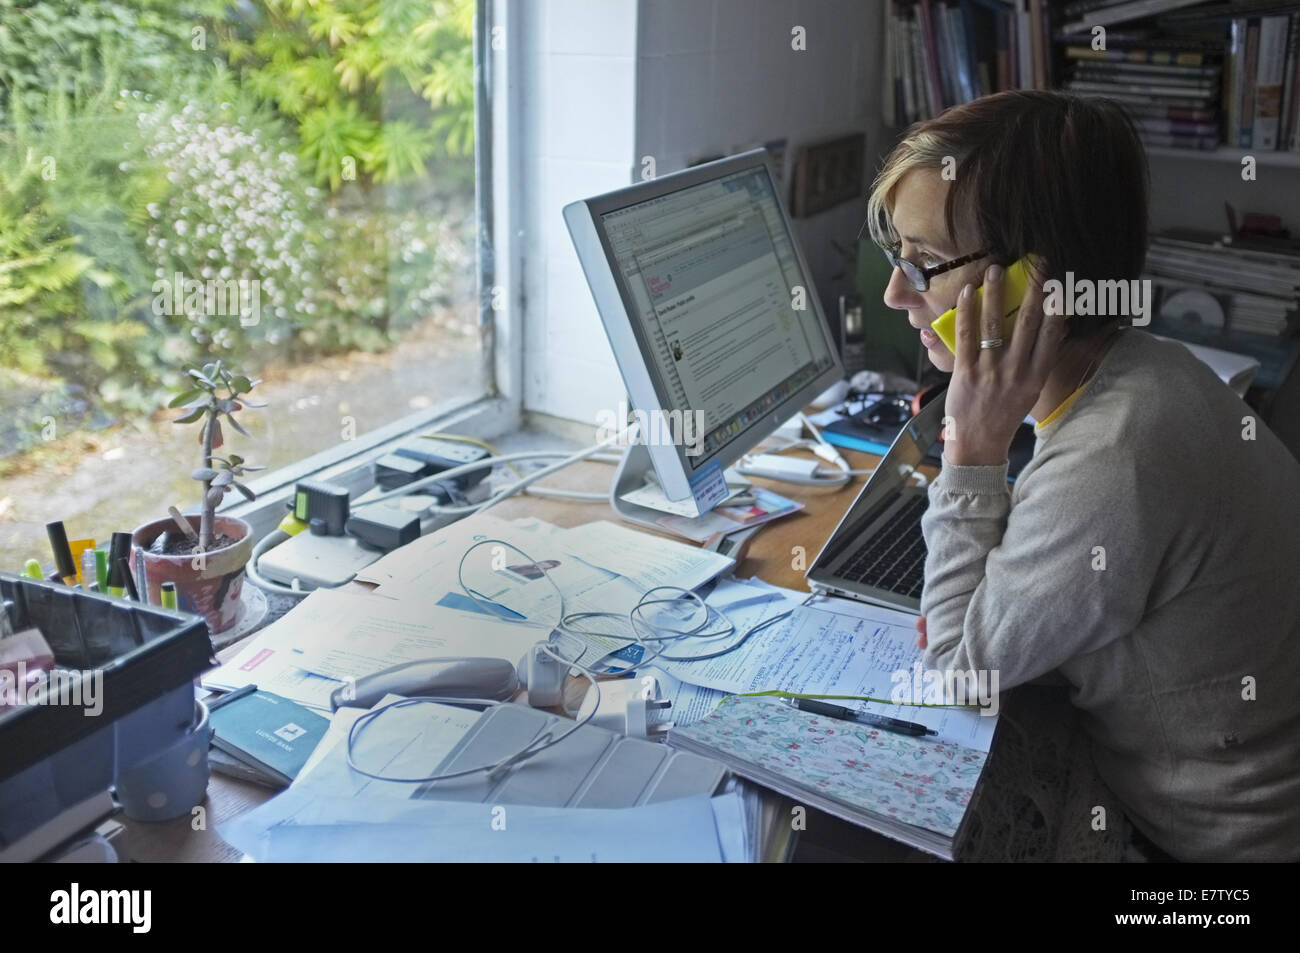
919,277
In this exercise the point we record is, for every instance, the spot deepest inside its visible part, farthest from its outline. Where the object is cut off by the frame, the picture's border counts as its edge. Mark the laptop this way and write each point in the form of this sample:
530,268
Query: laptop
877,553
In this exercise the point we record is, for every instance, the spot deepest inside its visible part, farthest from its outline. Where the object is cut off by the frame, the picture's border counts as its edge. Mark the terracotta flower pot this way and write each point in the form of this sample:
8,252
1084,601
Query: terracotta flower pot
207,585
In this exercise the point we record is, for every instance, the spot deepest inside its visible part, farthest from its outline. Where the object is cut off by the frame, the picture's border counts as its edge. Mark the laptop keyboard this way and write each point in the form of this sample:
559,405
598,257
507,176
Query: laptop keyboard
894,557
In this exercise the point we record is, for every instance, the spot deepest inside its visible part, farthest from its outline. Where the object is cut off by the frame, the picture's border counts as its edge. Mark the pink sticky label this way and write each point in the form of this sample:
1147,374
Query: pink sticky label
257,660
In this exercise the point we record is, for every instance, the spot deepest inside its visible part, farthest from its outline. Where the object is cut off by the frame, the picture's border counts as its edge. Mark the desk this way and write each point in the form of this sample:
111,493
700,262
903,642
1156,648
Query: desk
772,556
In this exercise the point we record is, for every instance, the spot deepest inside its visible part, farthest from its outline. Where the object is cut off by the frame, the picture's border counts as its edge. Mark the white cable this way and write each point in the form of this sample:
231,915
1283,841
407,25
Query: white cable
559,494
544,741
510,489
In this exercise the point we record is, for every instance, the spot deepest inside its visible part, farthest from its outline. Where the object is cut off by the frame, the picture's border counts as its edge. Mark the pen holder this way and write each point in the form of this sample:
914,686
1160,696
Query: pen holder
207,585
170,784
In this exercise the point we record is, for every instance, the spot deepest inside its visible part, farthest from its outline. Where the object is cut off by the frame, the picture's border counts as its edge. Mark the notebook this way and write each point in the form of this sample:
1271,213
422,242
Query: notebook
916,791
268,735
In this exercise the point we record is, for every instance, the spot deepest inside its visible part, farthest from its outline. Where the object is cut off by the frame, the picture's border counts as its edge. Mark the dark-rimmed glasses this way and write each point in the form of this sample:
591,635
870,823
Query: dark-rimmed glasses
917,276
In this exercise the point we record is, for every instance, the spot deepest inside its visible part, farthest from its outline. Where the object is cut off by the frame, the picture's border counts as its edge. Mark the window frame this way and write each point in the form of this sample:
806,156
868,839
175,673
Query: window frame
497,128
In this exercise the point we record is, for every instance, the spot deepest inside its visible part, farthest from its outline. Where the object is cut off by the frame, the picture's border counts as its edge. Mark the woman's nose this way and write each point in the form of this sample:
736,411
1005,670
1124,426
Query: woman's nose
899,293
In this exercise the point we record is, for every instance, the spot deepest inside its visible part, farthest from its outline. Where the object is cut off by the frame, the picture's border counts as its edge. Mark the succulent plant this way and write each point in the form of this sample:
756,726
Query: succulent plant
219,475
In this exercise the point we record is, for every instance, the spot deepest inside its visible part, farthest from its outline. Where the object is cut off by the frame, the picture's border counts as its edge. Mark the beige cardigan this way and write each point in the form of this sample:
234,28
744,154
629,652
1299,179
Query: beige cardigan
1149,554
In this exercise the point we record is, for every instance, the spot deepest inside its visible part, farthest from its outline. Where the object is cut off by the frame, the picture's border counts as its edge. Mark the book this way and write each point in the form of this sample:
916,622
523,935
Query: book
1118,53
1206,91
1246,94
1123,12
1153,72
1177,127
930,57
1268,80
268,734
1293,111
952,93
1286,122
913,790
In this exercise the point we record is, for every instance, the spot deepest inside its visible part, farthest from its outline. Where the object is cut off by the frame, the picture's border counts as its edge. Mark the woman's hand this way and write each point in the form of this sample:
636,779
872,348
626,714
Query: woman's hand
992,389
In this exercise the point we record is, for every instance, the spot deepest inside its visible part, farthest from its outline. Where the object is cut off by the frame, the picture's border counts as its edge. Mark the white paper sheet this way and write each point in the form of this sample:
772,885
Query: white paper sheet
300,826
645,559
429,563
270,661
345,636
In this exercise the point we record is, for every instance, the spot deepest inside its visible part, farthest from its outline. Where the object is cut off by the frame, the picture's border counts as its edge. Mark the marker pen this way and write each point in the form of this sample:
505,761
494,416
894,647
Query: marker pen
142,581
101,569
65,565
78,548
117,553
169,595
33,570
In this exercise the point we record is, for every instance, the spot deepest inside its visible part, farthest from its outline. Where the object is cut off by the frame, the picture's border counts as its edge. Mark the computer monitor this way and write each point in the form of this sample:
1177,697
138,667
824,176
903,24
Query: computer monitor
711,313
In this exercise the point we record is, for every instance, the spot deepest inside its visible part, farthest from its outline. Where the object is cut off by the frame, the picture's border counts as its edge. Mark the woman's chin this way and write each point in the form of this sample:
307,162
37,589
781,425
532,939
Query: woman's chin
941,359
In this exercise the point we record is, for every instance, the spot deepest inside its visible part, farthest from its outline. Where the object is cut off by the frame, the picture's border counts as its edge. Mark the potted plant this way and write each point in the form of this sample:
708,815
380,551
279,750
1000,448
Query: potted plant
205,554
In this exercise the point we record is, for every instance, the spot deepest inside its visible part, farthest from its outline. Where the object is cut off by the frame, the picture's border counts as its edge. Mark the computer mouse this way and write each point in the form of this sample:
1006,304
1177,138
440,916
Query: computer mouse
494,679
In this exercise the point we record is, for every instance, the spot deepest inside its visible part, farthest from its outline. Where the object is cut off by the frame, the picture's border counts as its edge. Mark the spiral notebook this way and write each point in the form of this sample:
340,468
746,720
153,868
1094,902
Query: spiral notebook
915,791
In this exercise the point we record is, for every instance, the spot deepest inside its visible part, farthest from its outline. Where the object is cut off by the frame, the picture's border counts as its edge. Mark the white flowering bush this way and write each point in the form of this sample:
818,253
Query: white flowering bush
386,271
236,207
335,273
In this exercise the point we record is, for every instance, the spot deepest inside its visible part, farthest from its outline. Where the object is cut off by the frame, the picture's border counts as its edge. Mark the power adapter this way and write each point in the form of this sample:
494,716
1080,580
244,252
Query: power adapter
628,706
777,466
436,454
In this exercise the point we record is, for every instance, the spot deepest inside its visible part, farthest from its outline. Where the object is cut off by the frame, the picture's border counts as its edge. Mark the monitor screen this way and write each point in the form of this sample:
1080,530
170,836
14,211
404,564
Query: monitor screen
719,304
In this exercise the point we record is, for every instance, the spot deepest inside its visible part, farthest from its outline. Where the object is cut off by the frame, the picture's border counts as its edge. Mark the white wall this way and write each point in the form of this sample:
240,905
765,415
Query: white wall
608,82
720,76
578,93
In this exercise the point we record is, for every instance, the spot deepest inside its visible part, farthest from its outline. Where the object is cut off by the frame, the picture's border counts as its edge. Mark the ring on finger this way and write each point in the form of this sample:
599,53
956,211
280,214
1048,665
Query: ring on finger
990,343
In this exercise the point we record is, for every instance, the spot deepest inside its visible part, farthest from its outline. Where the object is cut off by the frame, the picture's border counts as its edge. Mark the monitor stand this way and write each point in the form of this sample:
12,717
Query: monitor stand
636,470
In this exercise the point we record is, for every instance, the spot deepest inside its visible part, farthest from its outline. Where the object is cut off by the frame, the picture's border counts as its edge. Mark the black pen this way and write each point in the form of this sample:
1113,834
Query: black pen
234,696
882,722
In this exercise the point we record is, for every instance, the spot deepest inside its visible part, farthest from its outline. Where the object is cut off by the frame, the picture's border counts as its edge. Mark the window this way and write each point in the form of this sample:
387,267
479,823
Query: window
288,187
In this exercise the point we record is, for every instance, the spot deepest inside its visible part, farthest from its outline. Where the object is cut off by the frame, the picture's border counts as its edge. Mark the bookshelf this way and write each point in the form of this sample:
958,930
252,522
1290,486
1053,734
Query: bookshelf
1201,78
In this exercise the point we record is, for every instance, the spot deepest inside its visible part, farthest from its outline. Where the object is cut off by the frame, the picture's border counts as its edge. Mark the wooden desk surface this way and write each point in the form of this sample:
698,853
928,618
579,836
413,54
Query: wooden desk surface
778,553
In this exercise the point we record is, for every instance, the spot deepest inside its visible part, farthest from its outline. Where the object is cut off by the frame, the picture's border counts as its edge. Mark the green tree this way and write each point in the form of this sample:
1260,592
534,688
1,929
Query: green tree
377,88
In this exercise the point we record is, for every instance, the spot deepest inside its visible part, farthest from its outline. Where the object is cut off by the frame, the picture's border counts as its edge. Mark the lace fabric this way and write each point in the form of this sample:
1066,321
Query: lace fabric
1040,798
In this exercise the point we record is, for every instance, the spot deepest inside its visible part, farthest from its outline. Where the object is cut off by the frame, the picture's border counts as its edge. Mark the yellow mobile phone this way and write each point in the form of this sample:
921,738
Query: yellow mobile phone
1014,284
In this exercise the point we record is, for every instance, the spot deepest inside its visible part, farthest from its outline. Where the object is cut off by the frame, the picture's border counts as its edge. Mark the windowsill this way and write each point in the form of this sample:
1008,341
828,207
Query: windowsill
348,463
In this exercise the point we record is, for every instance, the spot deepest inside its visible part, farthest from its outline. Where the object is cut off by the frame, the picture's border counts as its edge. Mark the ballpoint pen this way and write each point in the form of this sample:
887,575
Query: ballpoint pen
229,697
883,722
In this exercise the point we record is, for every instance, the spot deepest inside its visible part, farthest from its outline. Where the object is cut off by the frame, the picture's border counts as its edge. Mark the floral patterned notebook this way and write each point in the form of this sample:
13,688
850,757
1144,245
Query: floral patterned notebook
896,779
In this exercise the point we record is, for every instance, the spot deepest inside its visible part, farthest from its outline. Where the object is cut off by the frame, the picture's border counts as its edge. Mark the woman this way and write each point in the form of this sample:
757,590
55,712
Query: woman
1149,552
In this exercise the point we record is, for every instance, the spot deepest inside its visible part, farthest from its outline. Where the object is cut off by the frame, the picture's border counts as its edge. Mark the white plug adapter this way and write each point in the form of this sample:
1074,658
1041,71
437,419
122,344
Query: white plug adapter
543,676
626,705
777,466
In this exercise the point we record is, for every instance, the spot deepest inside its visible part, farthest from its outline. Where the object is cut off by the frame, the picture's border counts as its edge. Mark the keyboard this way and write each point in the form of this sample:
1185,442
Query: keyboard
894,557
